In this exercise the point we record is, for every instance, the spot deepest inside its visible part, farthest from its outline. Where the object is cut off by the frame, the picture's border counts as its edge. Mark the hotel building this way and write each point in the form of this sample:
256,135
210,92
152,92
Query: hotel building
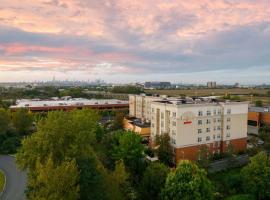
140,105
192,124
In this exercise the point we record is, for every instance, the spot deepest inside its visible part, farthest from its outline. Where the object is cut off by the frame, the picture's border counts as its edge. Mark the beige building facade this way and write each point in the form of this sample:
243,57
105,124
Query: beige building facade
140,105
193,124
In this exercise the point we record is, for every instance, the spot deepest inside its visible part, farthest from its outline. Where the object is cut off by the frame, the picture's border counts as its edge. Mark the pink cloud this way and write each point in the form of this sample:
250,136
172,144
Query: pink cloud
19,48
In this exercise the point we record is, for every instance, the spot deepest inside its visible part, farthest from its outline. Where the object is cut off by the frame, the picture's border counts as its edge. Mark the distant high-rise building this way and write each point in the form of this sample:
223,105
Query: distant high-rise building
211,84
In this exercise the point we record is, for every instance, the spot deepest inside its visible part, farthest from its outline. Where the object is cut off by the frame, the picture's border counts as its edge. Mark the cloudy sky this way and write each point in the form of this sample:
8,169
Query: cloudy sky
135,40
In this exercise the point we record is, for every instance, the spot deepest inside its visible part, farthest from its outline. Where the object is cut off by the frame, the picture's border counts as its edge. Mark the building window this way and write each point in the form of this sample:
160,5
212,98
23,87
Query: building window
173,141
207,138
208,121
229,111
199,130
228,127
215,120
228,119
200,113
199,139
200,122
173,132
174,123
218,136
208,112
207,130
215,112
219,112
219,120
218,128
174,114
214,136
228,135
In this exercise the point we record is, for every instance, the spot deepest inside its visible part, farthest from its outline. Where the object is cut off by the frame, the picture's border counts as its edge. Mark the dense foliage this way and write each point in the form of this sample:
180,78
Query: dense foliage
127,89
188,181
256,176
153,181
13,126
164,149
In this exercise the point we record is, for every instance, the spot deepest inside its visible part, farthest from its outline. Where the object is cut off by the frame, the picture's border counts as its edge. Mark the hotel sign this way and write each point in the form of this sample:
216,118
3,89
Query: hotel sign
187,117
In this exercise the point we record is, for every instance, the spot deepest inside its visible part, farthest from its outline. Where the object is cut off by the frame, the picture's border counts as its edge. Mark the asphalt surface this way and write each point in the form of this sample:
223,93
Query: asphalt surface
15,179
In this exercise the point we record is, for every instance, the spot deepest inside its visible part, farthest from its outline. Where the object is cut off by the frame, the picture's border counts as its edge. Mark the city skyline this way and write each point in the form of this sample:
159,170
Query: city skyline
119,41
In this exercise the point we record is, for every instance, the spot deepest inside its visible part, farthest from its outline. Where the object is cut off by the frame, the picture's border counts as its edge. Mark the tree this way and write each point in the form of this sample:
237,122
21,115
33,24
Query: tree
52,181
22,121
109,142
165,149
4,121
66,136
120,179
203,159
118,121
130,150
256,176
188,181
62,135
153,181
91,180
264,134
258,103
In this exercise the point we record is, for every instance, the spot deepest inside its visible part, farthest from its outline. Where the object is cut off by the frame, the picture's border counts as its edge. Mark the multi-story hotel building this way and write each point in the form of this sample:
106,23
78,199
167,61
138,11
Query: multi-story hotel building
191,124
140,105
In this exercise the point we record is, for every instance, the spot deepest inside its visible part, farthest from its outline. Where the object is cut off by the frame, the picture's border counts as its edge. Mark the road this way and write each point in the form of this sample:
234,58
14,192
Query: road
15,179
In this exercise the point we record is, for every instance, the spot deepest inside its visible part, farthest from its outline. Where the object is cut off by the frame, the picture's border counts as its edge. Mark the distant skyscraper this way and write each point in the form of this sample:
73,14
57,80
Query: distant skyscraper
211,84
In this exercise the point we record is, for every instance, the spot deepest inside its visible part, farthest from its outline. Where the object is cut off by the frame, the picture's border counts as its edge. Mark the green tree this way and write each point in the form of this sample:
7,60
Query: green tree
22,120
188,181
118,121
91,180
130,150
54,181
4,121
61,134
165,149
109,142
120,178
153,181
259,103
67,136
203,159
256,176
264,134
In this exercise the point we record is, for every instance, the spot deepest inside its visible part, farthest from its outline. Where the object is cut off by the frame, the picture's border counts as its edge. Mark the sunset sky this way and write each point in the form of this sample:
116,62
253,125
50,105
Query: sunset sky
190,41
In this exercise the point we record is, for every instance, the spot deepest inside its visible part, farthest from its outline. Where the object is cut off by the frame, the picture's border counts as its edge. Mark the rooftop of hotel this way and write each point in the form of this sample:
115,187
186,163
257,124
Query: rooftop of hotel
259,109
197,101
66,101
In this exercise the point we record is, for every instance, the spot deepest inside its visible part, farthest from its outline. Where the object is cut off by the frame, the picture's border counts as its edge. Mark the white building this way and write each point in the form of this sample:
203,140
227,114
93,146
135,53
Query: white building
193,124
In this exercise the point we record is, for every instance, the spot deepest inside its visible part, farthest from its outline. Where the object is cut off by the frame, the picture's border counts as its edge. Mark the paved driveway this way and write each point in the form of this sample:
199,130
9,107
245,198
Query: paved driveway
15,179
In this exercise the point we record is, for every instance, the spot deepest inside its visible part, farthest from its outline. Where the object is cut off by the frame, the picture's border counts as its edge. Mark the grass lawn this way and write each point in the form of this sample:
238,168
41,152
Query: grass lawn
2,181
